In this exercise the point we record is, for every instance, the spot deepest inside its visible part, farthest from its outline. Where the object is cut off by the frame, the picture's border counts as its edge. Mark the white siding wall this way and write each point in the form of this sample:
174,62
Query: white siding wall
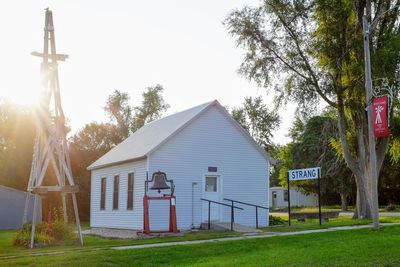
121,218
211,140
297,198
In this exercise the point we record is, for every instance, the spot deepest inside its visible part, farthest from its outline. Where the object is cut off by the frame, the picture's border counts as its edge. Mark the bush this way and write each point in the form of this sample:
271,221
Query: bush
53,233
390,207
276,220
23,237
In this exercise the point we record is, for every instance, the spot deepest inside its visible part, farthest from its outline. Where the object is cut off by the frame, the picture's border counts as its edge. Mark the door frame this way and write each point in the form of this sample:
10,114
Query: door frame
203,191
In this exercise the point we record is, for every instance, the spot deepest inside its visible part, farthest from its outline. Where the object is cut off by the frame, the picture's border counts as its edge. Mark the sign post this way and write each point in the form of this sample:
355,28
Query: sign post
305,174
288,188
319,194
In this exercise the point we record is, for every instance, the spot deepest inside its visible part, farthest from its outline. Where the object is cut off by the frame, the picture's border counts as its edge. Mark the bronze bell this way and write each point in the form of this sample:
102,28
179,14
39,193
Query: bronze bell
160,182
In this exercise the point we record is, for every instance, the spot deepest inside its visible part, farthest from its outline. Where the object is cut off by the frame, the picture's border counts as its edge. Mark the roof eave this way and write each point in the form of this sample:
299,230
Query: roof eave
91,168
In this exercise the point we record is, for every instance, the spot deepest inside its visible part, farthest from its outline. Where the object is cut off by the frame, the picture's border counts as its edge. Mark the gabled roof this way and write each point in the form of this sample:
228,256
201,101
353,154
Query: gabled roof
152,135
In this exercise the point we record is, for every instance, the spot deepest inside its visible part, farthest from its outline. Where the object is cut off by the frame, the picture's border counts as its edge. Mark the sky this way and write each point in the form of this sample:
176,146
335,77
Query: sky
128,46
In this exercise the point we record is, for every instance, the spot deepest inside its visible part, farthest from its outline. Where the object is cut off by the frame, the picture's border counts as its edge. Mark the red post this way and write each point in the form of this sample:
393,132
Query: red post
173,227
146,224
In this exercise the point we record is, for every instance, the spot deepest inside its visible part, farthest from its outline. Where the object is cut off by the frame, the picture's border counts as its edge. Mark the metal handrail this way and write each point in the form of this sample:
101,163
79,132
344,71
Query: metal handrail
222,204
248,204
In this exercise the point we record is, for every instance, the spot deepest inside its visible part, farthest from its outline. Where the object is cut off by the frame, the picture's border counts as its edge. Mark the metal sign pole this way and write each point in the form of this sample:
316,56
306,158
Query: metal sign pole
288,187
319,195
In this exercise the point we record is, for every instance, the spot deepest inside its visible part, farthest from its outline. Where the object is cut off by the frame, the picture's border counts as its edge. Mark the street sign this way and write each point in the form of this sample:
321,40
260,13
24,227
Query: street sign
304,174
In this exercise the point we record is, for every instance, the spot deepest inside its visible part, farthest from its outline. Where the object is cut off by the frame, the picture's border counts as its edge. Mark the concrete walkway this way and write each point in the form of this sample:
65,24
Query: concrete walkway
265,235
167,244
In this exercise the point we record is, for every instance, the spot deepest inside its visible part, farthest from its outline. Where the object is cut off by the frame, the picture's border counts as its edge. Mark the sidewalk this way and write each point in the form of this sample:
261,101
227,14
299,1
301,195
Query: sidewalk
265,235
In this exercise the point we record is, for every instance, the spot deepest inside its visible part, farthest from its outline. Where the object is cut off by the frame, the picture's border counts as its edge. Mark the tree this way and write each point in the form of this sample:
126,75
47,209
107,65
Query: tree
152,108
312,51
255,117
128,119
120,113
311,147
17,133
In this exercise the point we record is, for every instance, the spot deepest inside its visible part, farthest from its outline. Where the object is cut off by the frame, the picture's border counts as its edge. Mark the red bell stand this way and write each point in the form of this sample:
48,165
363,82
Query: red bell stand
173,228
159,180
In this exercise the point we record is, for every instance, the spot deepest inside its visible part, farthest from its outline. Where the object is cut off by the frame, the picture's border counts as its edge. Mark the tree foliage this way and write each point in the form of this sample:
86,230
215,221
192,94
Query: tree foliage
312,50
17,131
258,120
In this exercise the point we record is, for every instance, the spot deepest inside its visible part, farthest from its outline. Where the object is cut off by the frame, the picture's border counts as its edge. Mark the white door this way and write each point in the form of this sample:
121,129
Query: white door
212,191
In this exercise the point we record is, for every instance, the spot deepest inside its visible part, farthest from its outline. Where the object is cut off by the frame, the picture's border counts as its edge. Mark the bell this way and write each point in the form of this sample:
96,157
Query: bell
160,182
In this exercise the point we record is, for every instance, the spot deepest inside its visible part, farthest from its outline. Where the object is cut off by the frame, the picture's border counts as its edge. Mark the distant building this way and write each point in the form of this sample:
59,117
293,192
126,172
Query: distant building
207,154
12,205
279,198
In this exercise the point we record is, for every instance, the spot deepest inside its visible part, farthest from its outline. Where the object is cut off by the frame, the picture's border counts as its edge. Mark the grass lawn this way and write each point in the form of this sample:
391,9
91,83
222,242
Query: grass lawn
342,248
311,224
7,249
334,208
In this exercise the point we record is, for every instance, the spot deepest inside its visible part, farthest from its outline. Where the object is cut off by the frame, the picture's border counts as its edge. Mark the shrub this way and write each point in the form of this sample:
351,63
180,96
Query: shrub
390,207
276,220
46,233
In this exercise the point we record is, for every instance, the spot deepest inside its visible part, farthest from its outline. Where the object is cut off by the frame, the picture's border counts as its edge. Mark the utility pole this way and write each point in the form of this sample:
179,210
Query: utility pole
371,138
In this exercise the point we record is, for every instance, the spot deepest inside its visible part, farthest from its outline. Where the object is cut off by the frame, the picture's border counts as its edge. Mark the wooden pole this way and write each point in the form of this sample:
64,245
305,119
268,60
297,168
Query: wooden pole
33,221
288,188
319,196
373,173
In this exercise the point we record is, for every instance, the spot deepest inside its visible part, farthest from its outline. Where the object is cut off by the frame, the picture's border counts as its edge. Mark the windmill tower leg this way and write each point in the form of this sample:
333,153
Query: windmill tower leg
64,204
34,221
27,202
77,220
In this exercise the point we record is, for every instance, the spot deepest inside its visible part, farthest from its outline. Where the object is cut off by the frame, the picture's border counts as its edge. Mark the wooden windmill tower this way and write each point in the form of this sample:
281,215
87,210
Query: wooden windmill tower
51,148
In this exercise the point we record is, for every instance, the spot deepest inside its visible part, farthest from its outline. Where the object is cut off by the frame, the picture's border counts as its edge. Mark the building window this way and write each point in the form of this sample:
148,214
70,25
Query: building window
103,194
129,205
211,184
285,195
116,190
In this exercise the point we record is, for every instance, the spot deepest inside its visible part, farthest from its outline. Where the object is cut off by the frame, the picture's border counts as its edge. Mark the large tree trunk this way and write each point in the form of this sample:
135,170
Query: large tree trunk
362,209
343,201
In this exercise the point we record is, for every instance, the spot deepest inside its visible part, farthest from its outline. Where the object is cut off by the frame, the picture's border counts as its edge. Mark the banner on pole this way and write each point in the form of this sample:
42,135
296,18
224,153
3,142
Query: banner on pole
304,174
380,116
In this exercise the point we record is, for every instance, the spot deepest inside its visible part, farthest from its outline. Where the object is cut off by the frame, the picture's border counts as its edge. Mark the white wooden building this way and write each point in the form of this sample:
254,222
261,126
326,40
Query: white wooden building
279,198
207,154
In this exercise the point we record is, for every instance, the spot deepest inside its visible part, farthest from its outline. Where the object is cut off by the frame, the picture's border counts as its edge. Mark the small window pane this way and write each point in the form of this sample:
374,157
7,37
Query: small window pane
211,184
116,191
129,205
103,194
285,195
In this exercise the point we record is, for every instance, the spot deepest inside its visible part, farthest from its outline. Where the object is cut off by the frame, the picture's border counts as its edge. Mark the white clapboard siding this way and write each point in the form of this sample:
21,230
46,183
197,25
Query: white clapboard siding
121,218
211,140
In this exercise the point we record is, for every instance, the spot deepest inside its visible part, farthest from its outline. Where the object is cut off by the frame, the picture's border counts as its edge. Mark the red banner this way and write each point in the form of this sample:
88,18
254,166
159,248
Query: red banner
380,116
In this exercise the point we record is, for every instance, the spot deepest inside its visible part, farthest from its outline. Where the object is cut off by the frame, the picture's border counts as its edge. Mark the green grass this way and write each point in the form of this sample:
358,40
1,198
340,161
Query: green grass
7,249
363,247
333,208
311,224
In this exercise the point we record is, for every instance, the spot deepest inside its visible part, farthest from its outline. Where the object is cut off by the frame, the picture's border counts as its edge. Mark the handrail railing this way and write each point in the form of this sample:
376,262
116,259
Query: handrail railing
222,204
248,204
